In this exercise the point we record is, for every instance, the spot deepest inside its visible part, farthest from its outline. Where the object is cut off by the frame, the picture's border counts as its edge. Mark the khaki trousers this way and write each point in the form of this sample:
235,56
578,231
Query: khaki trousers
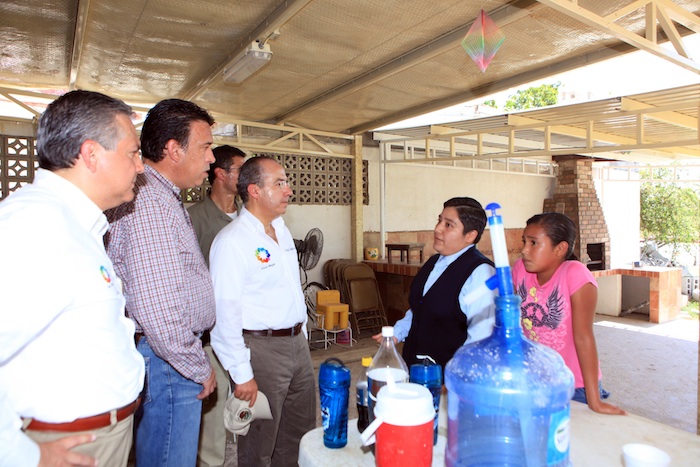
212,433
111,448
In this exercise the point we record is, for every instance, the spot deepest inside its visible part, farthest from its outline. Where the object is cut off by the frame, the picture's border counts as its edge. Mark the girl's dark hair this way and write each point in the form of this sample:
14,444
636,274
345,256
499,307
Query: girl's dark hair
559,228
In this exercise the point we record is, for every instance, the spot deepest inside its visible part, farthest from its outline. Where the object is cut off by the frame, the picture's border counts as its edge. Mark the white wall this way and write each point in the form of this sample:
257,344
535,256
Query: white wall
334,222
621,208
415,193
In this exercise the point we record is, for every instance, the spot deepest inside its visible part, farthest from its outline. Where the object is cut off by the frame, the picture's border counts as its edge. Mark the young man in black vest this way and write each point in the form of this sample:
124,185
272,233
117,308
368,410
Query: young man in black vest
439,320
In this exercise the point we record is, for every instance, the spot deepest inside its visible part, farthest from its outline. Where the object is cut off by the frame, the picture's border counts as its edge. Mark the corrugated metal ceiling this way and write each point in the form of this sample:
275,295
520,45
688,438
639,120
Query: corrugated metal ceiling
337,65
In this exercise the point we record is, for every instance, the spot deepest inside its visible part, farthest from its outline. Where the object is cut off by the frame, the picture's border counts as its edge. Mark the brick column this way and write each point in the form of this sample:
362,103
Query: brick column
575,195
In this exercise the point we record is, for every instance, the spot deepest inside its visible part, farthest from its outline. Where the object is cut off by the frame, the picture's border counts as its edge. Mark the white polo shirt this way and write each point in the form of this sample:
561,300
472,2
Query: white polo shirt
66,349
256,287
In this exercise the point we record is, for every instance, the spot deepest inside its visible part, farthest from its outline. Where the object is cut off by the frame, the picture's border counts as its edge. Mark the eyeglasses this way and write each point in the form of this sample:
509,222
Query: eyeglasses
281,184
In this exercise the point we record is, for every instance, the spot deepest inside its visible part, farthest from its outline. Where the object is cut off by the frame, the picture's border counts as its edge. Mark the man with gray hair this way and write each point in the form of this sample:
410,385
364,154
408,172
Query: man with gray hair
70,375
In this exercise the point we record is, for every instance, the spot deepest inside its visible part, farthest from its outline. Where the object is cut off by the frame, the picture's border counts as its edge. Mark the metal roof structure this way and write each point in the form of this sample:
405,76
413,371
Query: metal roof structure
653,127
337,66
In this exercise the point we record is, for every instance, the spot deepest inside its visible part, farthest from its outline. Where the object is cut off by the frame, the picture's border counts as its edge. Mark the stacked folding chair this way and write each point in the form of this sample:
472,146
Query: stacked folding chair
364,299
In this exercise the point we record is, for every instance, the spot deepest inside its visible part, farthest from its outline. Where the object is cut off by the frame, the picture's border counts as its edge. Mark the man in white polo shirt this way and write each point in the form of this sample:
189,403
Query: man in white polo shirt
260,331
70,374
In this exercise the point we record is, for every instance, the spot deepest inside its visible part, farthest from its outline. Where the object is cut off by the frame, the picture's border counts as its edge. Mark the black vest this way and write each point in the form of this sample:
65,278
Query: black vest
439,326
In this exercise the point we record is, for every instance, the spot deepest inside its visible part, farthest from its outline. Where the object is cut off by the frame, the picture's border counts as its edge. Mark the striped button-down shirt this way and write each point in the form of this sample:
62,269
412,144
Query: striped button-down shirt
167,285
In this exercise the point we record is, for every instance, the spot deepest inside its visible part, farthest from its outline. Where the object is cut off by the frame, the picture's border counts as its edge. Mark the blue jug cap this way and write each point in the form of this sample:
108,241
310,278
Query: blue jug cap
427,370
427,360
334,371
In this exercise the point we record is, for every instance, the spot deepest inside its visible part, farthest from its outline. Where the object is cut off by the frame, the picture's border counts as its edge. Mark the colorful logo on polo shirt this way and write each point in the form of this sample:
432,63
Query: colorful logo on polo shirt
105,274
263,255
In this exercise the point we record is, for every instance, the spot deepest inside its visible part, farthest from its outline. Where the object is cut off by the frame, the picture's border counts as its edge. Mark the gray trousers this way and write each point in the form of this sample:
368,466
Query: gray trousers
285,373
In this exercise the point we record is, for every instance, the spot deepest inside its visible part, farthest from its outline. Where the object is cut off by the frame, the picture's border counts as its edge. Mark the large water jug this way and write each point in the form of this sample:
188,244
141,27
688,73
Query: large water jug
508,399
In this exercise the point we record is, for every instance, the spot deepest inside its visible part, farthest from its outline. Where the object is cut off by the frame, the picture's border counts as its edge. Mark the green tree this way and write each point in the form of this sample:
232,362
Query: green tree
670,213
540,96
490,103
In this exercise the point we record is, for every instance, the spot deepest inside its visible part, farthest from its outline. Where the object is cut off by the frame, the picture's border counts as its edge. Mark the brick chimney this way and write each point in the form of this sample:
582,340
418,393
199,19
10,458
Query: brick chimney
575,195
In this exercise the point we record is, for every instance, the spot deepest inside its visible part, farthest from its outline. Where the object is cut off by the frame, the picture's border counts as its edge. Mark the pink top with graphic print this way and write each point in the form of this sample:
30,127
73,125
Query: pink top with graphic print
546,309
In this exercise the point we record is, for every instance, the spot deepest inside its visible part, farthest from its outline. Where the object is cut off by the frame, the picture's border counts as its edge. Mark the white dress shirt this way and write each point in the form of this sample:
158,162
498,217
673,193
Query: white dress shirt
256,287
66,349
480,314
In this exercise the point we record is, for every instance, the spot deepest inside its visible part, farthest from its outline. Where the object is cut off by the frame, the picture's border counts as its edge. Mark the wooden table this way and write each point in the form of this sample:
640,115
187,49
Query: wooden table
404,248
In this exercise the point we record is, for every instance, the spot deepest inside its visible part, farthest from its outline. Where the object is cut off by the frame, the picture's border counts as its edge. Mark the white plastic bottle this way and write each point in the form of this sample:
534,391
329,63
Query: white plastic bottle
386,364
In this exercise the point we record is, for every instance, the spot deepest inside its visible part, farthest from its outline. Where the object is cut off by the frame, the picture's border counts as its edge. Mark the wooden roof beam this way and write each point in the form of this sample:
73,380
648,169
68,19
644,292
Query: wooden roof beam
674,118
77,51
664,10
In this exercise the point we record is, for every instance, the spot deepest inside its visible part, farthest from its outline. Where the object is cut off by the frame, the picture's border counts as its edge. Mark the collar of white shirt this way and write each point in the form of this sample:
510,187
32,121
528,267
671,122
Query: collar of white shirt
87,213
255,224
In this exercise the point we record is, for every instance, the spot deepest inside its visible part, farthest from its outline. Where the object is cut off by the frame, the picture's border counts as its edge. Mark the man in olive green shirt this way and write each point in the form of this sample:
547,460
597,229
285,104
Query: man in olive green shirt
209,216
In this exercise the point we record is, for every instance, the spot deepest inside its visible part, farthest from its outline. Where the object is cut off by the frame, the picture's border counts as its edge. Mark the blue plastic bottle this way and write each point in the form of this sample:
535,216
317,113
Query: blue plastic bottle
334,391
429,374
508,397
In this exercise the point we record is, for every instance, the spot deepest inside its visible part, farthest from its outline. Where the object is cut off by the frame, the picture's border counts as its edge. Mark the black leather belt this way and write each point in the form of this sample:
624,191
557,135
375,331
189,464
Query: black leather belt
276,332
205,334
206,338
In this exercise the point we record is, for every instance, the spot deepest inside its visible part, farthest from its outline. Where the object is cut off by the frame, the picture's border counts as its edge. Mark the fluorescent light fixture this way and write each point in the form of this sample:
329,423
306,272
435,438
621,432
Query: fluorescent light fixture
249,61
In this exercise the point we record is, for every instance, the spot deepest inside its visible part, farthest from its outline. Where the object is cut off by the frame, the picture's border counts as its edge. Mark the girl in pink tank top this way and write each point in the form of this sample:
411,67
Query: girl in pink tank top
559,297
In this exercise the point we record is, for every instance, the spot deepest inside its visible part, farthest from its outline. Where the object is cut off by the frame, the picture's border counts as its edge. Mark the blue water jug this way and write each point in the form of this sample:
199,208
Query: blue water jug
334,392
428,374
508,399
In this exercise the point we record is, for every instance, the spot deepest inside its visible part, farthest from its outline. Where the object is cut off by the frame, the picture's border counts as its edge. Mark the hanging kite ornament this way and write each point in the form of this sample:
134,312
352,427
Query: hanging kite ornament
483,40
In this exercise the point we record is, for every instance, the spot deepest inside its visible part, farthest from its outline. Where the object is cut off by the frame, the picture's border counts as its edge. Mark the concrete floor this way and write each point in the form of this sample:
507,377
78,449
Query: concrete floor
650,369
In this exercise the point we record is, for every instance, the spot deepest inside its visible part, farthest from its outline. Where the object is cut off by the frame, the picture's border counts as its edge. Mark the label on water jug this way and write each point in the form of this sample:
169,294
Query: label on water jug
558,438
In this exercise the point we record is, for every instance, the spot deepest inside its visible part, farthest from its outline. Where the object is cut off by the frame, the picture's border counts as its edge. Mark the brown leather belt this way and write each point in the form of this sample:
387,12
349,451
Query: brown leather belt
276,332
86,424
